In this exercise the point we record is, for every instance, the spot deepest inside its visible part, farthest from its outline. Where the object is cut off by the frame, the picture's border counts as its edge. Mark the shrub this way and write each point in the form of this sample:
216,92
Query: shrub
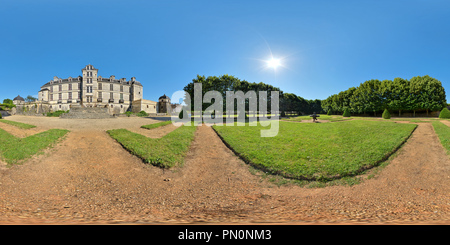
142,114
180,116
346,113
445,113
1,116
386,114
283,114
56,113
329,113
128,113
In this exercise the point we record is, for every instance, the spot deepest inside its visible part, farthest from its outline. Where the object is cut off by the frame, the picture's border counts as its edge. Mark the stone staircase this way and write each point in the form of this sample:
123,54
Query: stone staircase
80,112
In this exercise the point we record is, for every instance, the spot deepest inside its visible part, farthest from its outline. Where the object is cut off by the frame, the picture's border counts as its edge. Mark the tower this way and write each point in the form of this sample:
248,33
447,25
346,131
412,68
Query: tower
164,104
89,86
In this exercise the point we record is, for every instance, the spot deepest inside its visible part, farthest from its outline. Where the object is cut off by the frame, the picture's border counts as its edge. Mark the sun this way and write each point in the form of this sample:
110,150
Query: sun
274,63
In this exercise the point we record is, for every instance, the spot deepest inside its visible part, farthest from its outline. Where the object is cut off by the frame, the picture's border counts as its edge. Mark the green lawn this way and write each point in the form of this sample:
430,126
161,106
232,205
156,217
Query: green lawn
17,124
165,152
443,132
333,118
156,125
318,151
13,150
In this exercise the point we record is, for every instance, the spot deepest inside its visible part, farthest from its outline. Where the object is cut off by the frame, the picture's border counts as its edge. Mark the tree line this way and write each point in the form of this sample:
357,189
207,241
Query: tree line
420,93
224,83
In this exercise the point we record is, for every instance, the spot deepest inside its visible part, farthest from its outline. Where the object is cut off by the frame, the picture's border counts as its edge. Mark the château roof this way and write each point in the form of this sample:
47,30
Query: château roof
19,98
111,79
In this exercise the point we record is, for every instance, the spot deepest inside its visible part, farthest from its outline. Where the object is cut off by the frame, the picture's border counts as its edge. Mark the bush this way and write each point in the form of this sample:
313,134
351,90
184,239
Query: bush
142,114
346,113
386,114
56,113
180,116
329,113
445,113
128,113
1,116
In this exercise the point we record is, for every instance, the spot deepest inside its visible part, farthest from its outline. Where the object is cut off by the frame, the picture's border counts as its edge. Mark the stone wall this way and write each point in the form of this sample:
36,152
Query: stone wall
79,112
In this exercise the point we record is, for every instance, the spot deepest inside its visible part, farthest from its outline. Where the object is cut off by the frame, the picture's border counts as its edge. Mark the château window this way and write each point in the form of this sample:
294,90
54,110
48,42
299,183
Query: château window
100,86
111,96
70,95
100,95
89,89
121,88
111,87
70,86
60,96
60,87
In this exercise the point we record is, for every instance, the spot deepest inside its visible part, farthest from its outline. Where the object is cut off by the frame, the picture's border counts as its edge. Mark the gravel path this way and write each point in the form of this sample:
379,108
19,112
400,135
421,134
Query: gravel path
90,178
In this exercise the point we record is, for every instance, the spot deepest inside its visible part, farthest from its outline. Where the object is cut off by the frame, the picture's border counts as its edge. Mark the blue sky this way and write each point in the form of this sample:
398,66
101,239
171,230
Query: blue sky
325,46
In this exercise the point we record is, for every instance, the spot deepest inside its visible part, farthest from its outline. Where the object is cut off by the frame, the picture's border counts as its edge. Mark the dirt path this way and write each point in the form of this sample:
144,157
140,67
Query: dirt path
90,178
18,132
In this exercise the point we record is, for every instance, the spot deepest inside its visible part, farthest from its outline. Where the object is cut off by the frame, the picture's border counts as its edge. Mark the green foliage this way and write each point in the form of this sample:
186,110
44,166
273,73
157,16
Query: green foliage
8,103
225,83
156,125
445,113
318,151
18,124
346,113
14,150
1,117
386,114
142,114
180,115
420,93
128,113
56,113
165,152
329,113
30,98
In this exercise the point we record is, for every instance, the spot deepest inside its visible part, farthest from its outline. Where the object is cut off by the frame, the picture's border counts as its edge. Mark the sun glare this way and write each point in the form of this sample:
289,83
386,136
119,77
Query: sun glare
274,63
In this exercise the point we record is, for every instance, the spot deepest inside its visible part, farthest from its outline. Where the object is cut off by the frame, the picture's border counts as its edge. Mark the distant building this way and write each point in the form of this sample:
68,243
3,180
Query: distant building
92,90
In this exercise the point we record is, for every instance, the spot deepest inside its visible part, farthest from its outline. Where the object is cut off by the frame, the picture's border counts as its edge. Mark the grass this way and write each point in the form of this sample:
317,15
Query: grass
322,117
18,124
156,125
443,132
13,150
166,152
56,113
318,151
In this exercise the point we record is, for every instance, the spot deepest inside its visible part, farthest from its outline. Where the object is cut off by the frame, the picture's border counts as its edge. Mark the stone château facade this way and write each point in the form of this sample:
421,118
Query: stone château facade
92,90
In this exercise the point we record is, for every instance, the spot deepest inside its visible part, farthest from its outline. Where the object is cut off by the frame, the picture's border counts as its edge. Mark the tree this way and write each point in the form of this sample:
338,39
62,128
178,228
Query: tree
8,103
30,98
371,96
433,97
398,97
